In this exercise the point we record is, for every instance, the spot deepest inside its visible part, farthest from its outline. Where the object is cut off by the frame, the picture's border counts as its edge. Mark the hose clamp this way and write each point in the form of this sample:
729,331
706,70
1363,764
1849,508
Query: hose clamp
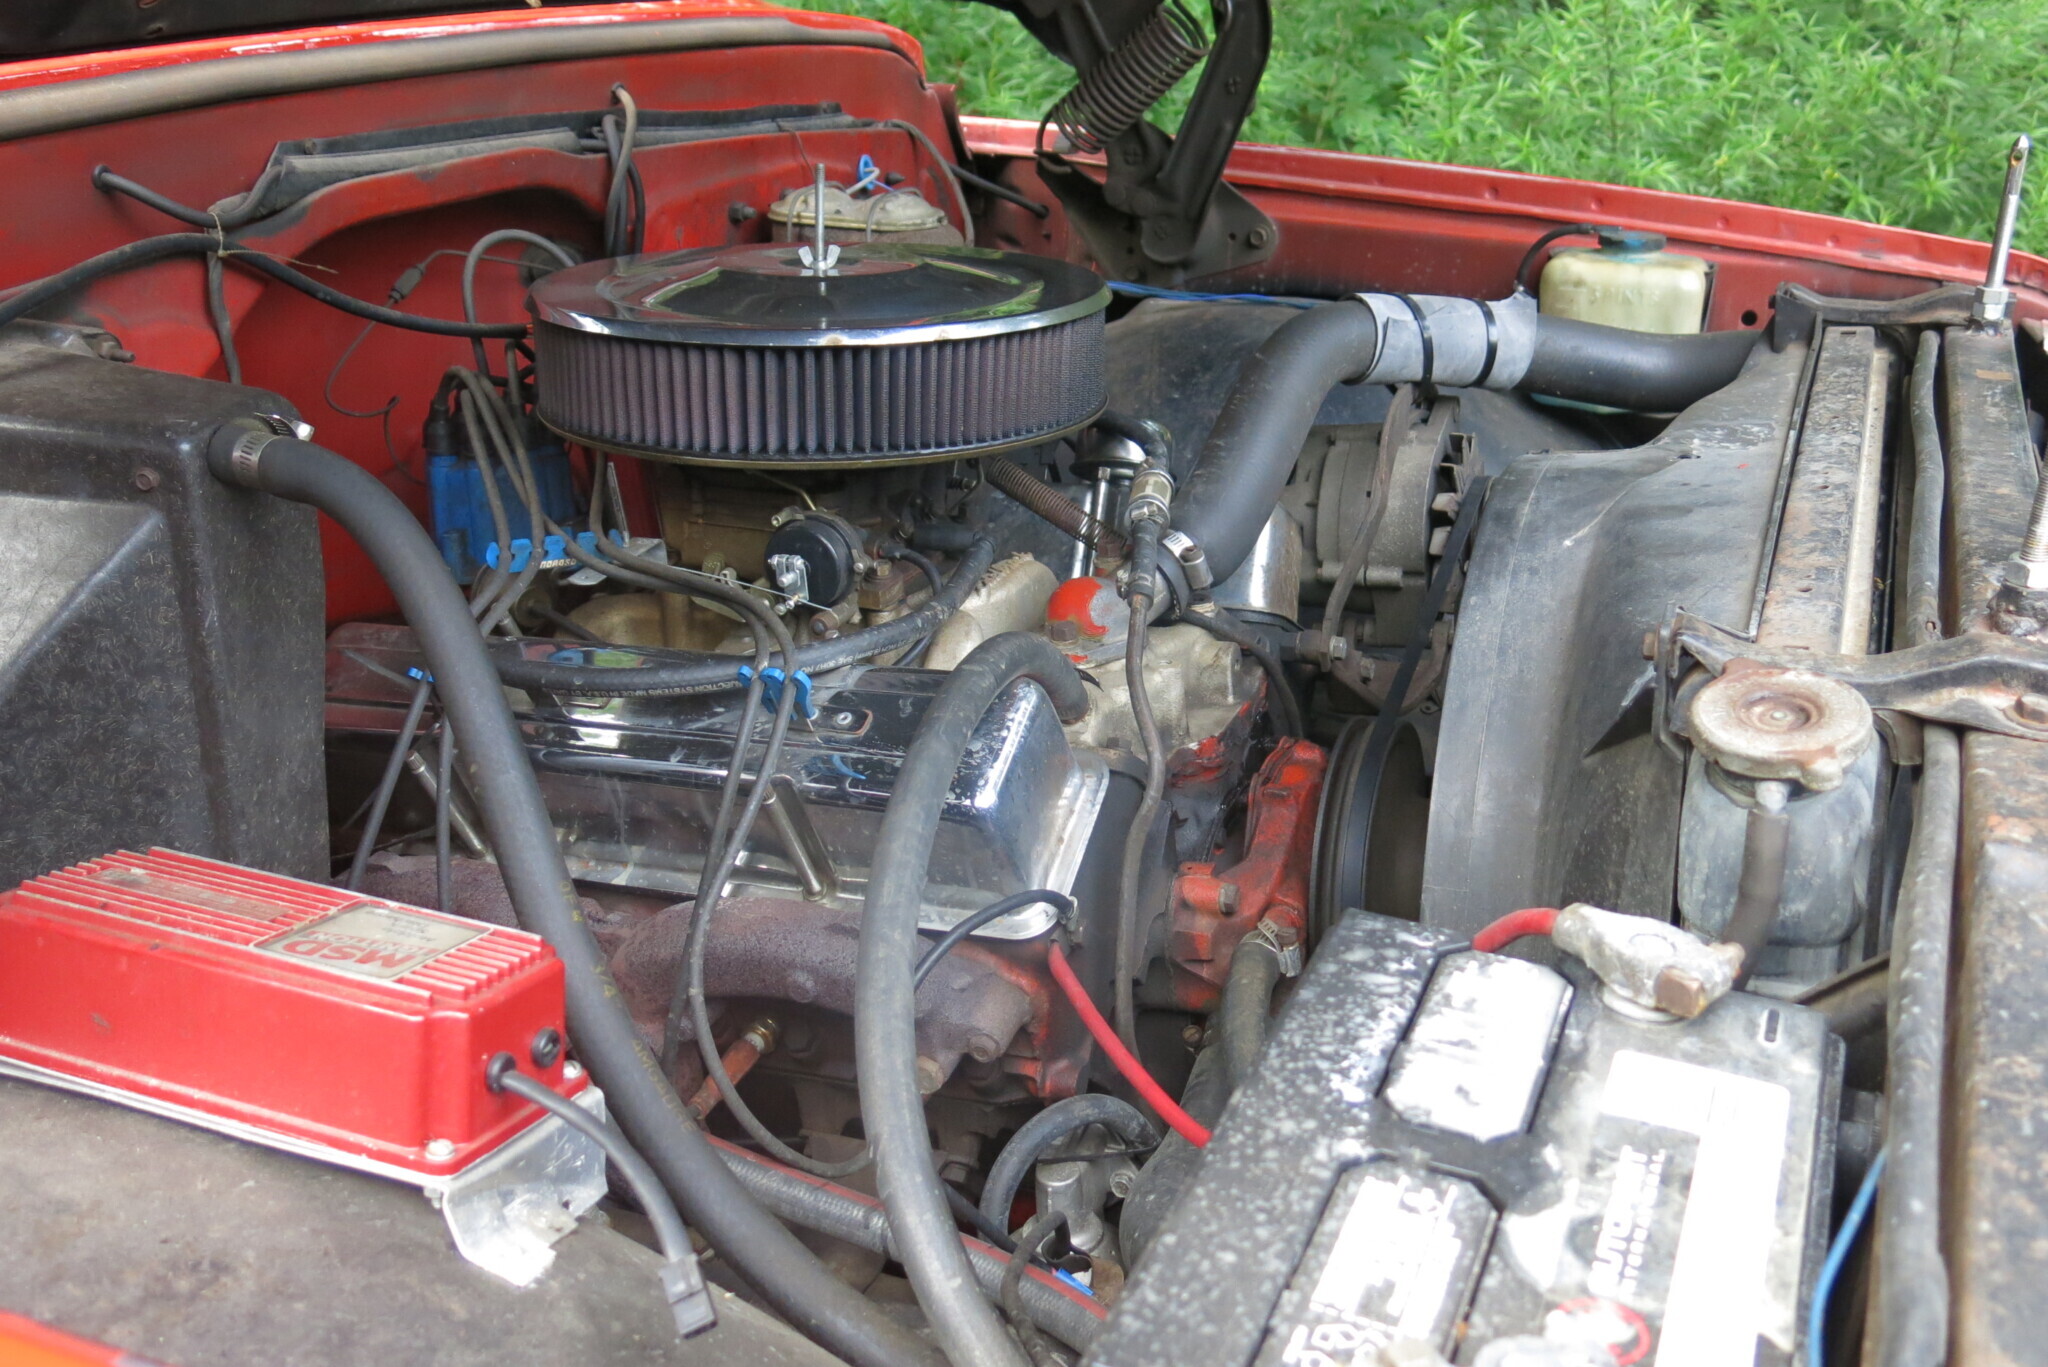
247,452
1284,941
1194,562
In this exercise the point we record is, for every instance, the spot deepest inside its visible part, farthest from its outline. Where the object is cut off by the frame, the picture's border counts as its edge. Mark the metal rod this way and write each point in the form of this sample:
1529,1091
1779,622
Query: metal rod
1994,300
1911,1324
818,217
460,821
2008,208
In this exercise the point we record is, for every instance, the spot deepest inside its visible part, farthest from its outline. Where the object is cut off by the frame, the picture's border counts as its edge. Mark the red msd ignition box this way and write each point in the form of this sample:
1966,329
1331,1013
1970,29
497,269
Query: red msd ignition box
313,1011
304,1017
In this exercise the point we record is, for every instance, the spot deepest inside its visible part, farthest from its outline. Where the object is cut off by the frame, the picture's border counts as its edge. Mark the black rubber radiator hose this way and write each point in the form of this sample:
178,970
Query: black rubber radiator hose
884,1013
1243,466
1646,372
495,762
1245,463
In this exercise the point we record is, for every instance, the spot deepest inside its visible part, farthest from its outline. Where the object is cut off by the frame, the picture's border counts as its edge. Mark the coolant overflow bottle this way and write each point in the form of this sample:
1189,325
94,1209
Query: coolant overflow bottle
1628,281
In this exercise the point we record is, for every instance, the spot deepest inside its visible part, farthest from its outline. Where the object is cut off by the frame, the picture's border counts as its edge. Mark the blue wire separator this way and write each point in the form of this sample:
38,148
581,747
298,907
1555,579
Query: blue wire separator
772,680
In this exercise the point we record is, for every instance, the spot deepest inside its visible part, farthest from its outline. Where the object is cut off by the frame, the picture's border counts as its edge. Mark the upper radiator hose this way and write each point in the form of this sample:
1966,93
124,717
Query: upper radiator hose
1402,338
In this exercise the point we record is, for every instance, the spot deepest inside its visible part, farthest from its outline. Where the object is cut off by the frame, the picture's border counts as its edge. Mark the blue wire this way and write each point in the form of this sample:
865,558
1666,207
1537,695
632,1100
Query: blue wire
1156,292
1838,1253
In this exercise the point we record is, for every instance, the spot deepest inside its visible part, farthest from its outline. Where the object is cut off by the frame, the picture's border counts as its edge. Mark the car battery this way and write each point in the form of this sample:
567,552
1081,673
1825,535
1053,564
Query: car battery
310,1019
1495,1162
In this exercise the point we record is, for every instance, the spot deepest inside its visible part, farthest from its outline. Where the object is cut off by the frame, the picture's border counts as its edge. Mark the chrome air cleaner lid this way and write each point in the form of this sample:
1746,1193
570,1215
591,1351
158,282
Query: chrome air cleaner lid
874,353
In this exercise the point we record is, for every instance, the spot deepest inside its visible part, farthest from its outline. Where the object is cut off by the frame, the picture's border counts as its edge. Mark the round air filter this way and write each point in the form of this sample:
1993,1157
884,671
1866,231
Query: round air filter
882,353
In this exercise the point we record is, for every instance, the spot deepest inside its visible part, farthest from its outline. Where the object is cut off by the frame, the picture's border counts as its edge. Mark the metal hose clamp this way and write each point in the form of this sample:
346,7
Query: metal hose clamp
247,452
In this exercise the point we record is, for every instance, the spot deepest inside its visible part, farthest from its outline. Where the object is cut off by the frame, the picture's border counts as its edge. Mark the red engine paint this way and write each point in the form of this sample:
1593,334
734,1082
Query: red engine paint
307,1011
1215,908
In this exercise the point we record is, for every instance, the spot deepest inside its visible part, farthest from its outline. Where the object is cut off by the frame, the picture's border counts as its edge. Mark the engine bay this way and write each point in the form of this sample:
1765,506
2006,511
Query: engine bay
833,770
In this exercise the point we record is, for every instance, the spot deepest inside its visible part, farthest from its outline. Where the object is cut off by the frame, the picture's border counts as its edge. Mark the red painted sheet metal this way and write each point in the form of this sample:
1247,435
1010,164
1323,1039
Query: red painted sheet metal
1308,190
48,70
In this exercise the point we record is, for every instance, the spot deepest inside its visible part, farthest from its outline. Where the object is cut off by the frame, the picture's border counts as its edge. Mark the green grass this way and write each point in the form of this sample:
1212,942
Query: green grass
1895,111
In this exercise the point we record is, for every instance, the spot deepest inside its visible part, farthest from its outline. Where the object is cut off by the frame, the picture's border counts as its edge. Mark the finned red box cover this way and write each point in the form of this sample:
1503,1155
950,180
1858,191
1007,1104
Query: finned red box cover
317,1014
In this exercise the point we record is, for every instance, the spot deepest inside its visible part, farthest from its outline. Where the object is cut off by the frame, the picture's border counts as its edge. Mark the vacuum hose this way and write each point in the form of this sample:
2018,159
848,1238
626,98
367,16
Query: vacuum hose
1037,1136
884,1013
495,762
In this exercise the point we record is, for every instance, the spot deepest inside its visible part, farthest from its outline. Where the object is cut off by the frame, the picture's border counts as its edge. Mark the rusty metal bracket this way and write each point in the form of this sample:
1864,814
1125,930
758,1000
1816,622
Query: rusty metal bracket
1980,681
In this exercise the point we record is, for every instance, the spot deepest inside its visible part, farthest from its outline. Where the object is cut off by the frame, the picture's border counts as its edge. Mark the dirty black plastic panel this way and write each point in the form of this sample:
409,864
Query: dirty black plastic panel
1475,1152
161,652
1550,786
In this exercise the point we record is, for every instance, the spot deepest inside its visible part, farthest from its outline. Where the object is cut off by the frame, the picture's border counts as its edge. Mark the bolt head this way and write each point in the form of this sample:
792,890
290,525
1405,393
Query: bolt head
1121,1183
2031,708
440,1150
147,479
930,1077
572,1070
843,719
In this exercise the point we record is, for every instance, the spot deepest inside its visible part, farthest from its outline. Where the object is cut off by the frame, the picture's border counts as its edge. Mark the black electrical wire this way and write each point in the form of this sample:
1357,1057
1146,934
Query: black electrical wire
475,255
988,1229
490,599
1536,248
147,251
106,180
620,135
1016,901
494,758
1139,591
562,621
938,582
682,1279
1225,625
223,322
380,802
1009,1292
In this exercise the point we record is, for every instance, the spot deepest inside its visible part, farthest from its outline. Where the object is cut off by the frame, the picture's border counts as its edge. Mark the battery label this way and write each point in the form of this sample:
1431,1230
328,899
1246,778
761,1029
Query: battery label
371,940
1395,1257
1714,1303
